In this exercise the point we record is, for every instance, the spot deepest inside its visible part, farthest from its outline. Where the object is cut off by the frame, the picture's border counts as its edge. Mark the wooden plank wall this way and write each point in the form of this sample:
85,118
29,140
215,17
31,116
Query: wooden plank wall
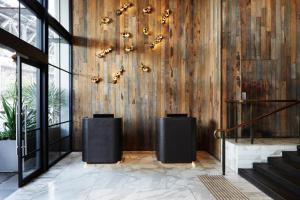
185,67
261,56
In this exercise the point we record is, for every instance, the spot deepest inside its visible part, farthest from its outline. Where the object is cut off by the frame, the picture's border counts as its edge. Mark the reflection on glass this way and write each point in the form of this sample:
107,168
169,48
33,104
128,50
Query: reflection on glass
59,9
30,138
64,55
64,14
30,27
31,163
53,47
30,96
65,146
64,130
64,89
33,140
54,95
9,16
53,8
54,152
54,134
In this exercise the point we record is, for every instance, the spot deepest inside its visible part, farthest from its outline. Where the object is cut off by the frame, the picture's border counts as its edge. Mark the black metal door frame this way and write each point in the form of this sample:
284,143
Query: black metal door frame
19,133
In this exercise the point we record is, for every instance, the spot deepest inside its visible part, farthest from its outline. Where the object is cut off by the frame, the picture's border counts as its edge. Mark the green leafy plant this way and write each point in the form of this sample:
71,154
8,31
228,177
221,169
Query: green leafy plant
56,100
9,118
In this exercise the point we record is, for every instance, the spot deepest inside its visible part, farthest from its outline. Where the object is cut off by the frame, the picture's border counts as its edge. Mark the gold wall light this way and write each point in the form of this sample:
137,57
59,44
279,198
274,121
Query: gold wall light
145,31
123,8
147,10
157,40
117,75
165,16
104,52
145,68
126,34
105,20
96,79
129,48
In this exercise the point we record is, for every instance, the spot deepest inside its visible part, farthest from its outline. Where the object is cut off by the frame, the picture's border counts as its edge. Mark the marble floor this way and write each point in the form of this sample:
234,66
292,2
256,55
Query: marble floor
8,184
138,177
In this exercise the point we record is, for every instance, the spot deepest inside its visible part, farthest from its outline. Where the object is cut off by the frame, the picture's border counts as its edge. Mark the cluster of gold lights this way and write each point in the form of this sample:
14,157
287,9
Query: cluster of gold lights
117,75
165,16
156,41
123,8
104,52
129,48
144,68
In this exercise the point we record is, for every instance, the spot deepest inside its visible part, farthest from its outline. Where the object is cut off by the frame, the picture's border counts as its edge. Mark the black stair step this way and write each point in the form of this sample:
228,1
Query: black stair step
277,177
272,189
292,157
285,167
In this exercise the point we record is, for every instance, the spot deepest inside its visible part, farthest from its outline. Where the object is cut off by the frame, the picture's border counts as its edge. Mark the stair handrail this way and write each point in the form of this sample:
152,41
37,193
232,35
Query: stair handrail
224,132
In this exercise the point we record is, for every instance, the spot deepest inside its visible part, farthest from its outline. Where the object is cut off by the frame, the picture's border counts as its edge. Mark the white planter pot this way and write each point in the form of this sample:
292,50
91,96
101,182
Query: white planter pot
8,156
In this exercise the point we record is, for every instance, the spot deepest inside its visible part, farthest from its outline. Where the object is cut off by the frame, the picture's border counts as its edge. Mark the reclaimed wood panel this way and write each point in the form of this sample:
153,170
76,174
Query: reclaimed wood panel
265,35
185,68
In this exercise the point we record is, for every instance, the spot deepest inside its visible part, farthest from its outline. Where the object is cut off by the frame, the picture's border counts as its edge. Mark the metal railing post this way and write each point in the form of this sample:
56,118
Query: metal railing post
223,153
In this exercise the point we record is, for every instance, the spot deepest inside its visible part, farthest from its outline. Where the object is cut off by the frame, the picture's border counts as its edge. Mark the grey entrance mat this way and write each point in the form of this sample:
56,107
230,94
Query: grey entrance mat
221,188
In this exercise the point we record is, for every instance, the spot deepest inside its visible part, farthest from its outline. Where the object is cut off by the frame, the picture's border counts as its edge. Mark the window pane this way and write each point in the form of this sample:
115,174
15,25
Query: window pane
64,55
31,96
65,89
9,16
53,47
65,146
54,152
53,8
54,134
31,163
30,27
53,96
64,14
33,140
64,130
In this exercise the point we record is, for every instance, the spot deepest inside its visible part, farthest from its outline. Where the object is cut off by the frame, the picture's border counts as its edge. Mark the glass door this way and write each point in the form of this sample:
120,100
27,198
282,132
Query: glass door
28,120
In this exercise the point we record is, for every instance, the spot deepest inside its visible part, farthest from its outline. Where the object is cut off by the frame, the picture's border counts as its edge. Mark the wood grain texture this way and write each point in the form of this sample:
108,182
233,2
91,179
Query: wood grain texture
260,56
185,68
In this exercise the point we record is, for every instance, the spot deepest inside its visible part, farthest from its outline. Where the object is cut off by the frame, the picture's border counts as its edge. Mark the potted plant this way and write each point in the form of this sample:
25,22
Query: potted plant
8,156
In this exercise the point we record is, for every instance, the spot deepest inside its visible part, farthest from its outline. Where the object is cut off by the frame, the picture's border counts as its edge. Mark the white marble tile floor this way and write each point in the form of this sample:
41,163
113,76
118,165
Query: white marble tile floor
138,177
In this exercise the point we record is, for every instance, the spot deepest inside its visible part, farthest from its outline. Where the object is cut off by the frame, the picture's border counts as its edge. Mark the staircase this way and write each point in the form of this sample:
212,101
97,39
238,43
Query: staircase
279,177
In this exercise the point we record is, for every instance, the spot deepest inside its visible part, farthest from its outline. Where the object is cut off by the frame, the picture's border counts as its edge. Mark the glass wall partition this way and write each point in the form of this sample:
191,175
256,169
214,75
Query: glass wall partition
59,96
19,20
36,45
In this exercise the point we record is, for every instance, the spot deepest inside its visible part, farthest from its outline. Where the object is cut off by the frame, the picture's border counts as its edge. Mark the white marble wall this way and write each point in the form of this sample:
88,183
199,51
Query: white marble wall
243,154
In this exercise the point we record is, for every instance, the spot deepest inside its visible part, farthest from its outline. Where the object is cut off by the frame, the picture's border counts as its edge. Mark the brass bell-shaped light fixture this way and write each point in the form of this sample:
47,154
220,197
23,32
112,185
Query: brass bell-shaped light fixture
147,10
165,16
123,8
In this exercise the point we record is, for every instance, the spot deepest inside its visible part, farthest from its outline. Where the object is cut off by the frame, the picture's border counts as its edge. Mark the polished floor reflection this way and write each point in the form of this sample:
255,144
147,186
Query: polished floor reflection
138,177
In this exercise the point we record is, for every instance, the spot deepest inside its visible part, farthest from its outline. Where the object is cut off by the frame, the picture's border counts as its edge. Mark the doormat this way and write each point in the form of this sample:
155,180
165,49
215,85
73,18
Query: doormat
221,188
